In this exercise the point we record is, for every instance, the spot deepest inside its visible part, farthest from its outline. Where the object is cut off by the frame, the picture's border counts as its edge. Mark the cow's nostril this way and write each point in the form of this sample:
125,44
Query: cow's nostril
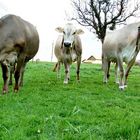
67,44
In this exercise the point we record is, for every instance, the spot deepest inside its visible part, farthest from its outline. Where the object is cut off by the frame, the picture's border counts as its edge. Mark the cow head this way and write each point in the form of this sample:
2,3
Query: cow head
69,33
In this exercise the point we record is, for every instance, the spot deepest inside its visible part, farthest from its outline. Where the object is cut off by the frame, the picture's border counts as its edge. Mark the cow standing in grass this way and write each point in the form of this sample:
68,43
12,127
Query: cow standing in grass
121,46
68,48
19,42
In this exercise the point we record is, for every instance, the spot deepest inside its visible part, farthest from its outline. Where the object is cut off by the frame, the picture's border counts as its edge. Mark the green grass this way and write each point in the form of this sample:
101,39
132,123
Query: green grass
46,109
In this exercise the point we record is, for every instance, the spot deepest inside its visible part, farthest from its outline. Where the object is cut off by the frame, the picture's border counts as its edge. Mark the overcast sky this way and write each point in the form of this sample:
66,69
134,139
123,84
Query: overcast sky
46,15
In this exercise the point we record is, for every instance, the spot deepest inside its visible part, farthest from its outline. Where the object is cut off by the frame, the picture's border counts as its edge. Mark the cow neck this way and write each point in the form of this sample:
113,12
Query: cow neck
66,50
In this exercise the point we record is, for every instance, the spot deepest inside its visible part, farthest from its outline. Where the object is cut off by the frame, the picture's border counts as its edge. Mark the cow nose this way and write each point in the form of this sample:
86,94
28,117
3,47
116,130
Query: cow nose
67,44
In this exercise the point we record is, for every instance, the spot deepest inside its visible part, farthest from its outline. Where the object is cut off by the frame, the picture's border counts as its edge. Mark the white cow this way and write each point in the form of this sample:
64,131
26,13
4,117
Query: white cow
121,46
68,48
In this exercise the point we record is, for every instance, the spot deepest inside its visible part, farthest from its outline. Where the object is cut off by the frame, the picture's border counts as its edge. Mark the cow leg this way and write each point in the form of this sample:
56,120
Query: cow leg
78,68
121,82
5,72
18,74
22,74
55,67
67,73
105,67
116,73
129,66
10,80
12,68
58,70
108,75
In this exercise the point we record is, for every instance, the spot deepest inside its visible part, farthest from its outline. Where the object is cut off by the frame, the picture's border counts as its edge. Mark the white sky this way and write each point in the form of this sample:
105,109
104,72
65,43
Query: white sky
46,15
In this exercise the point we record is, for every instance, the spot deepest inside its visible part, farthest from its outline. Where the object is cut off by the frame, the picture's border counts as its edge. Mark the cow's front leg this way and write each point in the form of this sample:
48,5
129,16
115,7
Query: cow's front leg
67,73
121,83
5,72
78,68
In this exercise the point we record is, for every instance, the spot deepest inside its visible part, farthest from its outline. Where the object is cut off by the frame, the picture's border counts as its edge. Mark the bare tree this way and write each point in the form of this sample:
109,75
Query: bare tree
99,15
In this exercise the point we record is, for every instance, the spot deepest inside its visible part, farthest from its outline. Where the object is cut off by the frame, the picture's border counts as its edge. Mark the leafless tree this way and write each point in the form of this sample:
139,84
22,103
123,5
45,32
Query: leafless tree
99,15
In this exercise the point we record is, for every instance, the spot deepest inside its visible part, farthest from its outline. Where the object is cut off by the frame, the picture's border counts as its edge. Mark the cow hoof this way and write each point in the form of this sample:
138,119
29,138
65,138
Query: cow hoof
65,82
15,90
78,81
4,92
117,82
121,87
10,83
125,86
105,82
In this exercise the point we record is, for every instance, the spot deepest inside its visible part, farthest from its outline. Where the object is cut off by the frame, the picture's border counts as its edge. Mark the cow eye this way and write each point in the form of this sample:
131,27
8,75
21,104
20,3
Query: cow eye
74,33
63,32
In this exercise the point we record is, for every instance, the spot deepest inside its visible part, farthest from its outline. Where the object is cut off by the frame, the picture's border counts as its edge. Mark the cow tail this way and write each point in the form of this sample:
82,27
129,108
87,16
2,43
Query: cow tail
137,41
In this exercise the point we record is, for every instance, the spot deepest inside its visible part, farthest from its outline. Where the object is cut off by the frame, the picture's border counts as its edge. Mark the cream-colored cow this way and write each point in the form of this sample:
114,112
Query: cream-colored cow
121,46
68,48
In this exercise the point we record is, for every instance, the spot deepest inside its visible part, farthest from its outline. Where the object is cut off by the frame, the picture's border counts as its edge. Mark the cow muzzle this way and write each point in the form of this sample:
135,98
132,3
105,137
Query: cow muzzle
67,44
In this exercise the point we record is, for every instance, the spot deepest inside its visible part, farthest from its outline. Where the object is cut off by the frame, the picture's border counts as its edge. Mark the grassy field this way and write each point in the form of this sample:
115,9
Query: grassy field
46,109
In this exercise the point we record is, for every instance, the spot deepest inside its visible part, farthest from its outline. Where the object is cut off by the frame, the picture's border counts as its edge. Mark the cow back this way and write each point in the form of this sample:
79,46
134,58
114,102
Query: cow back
121,42
18,35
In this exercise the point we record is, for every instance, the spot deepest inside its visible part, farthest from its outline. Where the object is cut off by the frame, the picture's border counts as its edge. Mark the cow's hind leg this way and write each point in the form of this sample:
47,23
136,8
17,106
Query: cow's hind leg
5,72
116,73
129,66
18,73
108,75
105,67
11,73
12,69
57,68
22,74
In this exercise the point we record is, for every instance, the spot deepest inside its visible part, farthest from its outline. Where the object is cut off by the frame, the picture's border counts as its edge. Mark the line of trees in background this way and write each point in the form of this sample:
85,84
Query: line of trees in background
100,15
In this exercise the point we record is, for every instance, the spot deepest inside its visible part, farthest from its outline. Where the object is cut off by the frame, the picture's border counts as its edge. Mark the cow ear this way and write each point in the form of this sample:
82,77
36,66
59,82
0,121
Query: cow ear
79,31
59,29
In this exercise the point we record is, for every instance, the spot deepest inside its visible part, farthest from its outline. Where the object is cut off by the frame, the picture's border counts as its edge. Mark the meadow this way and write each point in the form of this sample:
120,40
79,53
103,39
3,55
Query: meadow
46,109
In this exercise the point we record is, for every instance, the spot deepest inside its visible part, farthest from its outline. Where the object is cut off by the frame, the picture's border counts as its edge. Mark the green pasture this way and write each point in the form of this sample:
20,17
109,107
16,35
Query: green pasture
46,109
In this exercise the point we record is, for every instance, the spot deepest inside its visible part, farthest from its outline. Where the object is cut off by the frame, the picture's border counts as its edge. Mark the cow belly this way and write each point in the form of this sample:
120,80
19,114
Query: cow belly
111,56
128,54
